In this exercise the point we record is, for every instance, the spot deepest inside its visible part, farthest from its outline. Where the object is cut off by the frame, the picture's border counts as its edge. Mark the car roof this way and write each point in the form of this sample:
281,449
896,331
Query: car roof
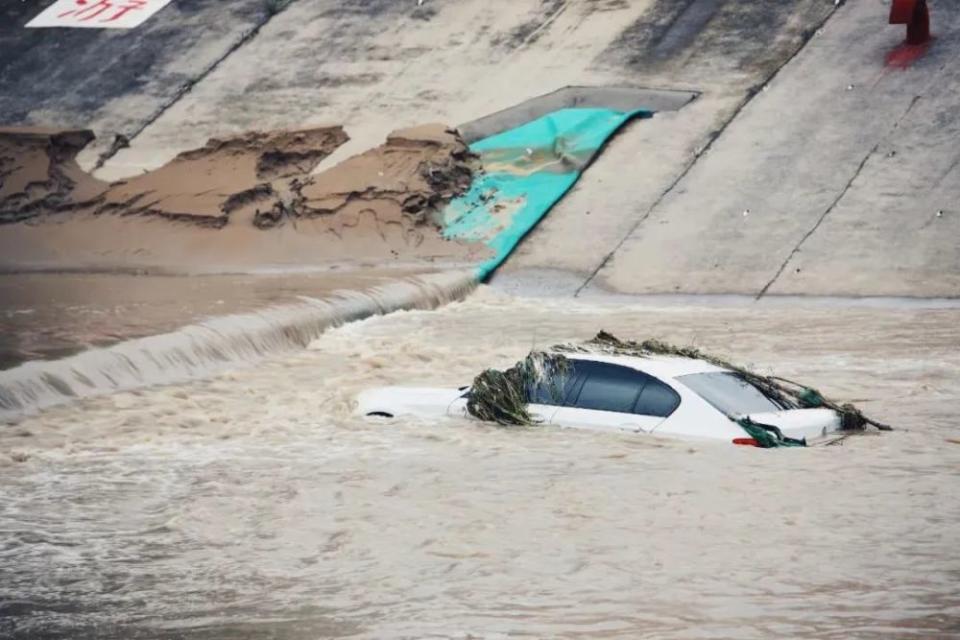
655,365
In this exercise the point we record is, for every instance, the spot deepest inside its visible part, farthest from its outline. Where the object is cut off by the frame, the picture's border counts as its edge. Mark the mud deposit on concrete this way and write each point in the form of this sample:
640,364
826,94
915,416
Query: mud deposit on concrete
403,182
380,203
39,172
238,175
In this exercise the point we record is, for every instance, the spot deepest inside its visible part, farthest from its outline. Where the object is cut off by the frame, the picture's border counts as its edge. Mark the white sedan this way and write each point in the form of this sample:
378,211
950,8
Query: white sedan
664,395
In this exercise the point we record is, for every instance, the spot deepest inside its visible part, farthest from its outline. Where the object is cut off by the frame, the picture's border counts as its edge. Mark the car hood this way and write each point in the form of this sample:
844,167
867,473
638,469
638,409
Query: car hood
800,423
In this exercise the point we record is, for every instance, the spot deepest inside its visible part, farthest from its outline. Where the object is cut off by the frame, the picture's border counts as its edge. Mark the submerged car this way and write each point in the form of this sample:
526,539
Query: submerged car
663,395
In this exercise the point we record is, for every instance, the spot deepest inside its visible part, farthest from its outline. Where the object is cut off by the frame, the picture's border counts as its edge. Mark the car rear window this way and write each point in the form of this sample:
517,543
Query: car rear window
729,393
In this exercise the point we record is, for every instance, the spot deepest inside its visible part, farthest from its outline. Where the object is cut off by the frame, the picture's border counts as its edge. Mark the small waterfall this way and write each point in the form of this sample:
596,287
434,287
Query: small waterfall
208,347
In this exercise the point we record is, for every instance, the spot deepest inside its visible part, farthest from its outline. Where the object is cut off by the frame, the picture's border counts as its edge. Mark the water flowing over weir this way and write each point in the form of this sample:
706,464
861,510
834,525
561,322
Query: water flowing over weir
208,347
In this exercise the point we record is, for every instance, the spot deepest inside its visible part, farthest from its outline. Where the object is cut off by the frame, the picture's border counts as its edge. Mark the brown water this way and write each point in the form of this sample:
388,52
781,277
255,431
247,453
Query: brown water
255,505
51,315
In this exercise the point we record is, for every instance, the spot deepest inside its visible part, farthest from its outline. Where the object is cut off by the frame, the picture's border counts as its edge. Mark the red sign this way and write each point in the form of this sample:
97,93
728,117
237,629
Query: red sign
109,14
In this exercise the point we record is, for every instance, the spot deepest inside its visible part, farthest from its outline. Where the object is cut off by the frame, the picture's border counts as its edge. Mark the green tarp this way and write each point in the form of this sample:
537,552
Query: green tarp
526,171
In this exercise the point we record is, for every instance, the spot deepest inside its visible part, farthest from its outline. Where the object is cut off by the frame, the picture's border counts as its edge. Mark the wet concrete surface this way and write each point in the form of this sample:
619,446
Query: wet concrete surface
113,81
837,179
725,50
811,163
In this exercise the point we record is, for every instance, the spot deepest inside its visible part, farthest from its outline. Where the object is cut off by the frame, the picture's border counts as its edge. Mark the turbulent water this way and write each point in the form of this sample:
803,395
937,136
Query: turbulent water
255,505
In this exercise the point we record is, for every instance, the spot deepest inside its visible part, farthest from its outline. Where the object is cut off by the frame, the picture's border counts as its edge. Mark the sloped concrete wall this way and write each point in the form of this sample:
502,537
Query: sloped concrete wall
378,65
113,81
804,166
842,178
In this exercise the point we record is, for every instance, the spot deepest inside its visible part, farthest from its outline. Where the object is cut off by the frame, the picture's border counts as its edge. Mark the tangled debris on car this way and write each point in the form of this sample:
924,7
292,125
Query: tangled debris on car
502,396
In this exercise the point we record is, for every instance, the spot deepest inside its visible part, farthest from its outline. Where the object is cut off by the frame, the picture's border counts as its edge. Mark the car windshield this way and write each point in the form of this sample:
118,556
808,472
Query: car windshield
729,393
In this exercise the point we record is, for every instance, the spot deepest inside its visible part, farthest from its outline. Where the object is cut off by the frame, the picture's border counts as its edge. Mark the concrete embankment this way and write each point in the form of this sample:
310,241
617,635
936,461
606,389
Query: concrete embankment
841,177
115,81
806,165
378,65
386,64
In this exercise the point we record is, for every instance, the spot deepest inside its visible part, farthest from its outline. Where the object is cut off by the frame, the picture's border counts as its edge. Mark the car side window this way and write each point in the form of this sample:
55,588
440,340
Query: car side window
607,387
657,399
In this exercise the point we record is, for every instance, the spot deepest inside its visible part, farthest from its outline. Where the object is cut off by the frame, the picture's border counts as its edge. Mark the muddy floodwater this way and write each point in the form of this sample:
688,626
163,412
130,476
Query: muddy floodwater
255,505
45,316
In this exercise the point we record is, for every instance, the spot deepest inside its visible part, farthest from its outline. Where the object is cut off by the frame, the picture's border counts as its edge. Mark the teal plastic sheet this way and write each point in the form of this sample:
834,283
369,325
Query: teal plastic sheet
526,171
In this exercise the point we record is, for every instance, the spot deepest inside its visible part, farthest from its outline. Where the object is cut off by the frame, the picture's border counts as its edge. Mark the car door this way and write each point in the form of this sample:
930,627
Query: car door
605,398
540,413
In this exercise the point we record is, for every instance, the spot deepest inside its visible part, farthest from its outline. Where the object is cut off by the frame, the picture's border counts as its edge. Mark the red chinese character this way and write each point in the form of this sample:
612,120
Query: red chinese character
89,10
